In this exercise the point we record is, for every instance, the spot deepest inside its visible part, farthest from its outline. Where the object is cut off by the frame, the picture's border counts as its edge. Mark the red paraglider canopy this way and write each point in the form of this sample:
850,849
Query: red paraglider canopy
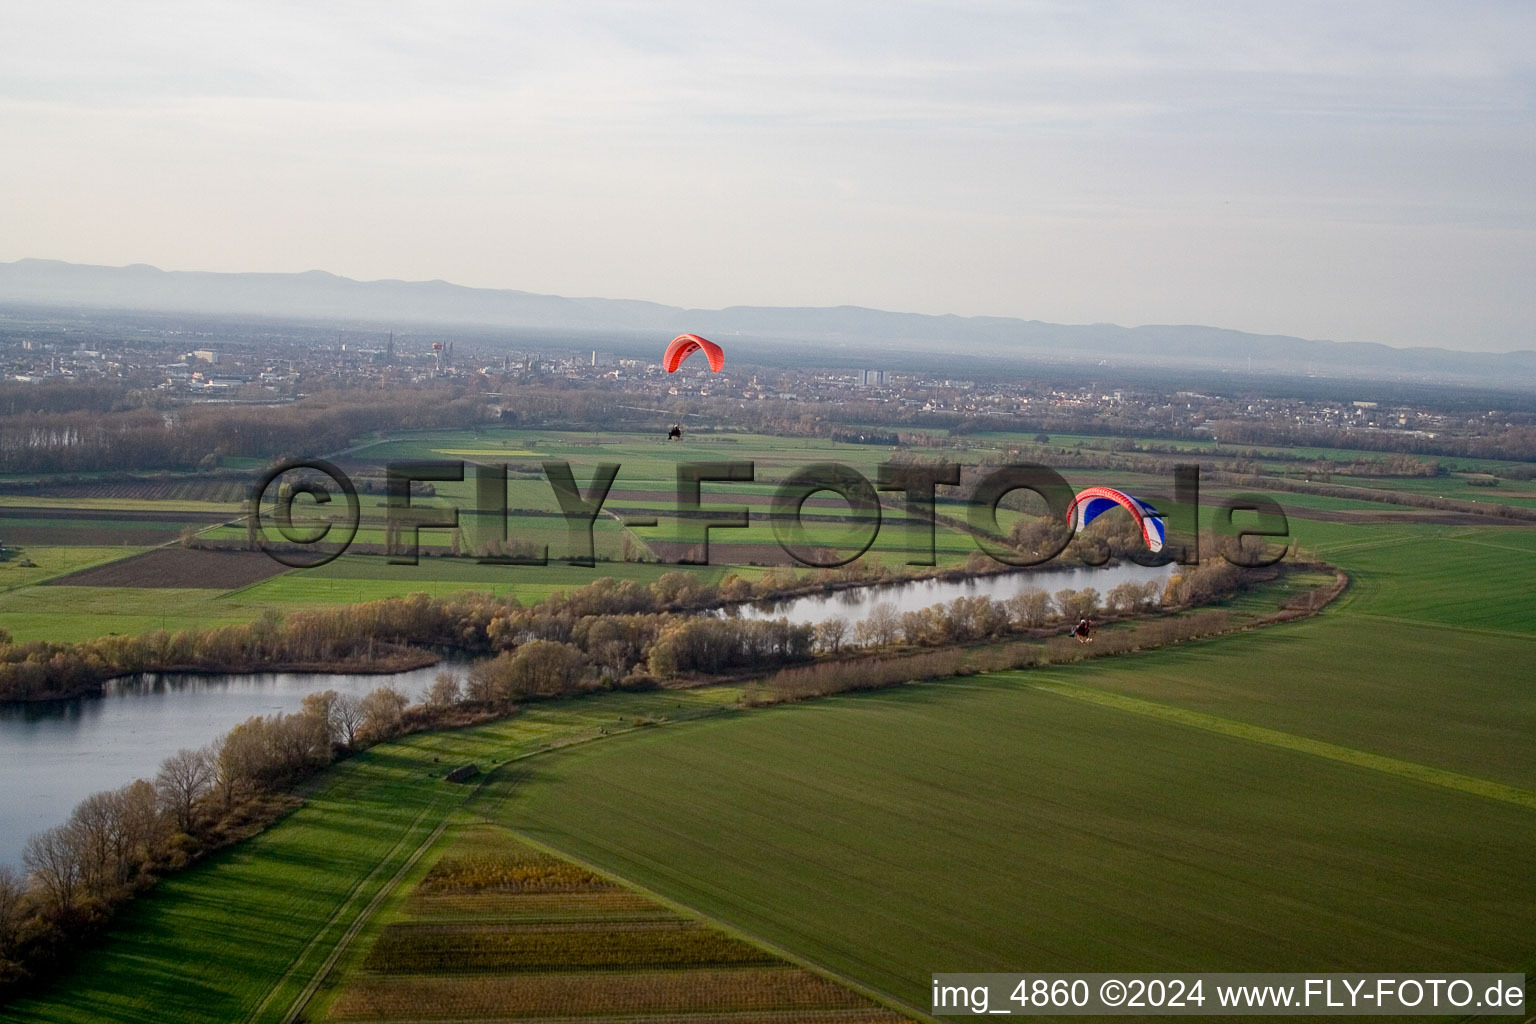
685,345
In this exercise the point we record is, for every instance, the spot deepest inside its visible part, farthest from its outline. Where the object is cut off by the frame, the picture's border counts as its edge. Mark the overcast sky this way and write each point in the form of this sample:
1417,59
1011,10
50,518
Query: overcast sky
1355,171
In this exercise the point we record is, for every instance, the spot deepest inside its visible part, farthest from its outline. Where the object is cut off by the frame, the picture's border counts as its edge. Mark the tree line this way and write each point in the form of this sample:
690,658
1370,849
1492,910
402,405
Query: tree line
186,436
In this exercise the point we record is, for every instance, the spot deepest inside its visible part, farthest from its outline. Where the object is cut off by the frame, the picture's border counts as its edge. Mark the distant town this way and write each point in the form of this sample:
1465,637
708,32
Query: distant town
166,362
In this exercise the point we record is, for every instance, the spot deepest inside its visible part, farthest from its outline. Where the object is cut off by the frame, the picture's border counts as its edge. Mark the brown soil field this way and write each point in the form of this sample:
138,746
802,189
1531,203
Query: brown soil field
84,535
1432,517
152,490
112,515
665,499
177,568
721,554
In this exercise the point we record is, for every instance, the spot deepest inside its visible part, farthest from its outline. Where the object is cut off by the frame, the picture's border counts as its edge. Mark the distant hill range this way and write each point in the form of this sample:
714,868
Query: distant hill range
842,335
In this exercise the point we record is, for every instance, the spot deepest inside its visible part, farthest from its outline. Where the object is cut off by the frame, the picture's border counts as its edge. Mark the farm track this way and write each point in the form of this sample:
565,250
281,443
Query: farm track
338,916
1427,774
296,1010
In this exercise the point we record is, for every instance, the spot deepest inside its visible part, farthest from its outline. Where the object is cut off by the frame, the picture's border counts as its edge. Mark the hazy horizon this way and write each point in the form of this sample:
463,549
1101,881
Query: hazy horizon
702,310
1365,174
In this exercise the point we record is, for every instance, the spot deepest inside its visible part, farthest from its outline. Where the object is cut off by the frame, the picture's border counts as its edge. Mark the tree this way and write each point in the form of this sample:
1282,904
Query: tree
542,668
382,710
1123,598
141,826
347,711
880,627
674,587
1039,538
483,685
444,691
97,826
322,708
298,742
1030,608
238,760
184,777
13,911
830,634
1131,597
53,858
1077,604
918,627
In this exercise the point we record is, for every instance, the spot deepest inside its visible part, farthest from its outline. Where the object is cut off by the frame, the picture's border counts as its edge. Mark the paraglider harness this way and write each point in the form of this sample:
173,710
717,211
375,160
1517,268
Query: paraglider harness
1082,630
676,433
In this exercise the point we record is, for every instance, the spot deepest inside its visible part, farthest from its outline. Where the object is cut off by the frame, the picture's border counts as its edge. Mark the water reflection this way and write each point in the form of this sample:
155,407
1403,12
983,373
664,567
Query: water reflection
856,604
54,754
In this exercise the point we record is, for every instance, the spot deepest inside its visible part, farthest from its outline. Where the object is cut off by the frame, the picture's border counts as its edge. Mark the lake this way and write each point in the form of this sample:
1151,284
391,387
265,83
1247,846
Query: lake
55,753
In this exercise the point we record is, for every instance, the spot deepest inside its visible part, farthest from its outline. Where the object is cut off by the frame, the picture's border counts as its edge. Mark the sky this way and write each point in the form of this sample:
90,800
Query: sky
1361,172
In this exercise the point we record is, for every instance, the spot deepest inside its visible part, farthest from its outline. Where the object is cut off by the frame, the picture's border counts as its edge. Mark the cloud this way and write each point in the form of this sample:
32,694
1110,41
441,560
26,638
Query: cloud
598,148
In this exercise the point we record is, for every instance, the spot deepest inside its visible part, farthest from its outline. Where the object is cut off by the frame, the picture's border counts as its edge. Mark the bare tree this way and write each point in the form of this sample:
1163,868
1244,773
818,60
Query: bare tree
381,711
917,627
53,858
831,633
1077,604
484,683
97,823
1030,608
1123,598
880,628
322,708
141,826
184,777
444,690
238,760
348,713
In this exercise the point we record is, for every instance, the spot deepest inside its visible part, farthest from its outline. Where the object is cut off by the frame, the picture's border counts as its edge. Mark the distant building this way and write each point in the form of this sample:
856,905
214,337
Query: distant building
206,355
872,378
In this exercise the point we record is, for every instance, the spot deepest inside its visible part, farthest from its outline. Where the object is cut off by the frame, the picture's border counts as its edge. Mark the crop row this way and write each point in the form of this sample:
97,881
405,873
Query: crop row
519,872
571,995
158,490
615,905
419,948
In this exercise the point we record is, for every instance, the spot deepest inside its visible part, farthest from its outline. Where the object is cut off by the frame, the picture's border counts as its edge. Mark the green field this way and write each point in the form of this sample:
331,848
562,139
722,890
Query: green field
994,826
1352,792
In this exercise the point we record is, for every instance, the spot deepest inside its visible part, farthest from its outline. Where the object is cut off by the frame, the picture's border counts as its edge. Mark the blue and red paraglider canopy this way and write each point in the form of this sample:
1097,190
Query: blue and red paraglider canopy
1095,501
685,345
